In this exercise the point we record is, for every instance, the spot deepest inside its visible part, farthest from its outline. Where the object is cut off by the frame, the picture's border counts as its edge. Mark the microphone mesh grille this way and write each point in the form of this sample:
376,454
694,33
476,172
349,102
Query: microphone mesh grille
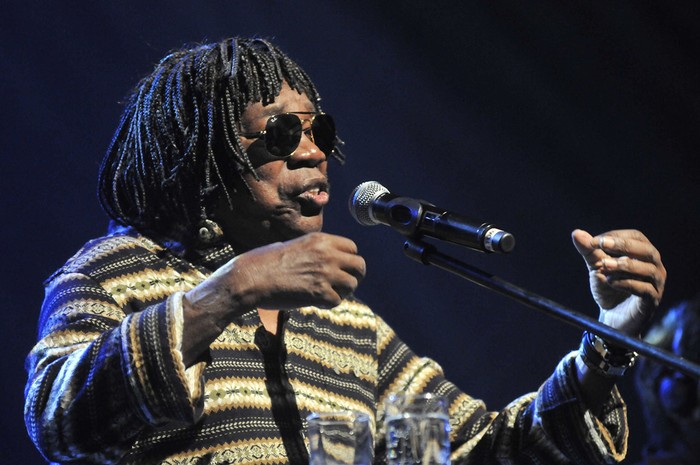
361,200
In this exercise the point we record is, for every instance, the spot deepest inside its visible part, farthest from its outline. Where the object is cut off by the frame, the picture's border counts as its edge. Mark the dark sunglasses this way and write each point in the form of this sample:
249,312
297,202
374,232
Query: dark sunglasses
282,133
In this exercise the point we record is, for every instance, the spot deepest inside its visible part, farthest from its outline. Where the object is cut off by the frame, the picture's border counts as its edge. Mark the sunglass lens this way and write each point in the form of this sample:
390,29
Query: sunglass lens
282,134
323,129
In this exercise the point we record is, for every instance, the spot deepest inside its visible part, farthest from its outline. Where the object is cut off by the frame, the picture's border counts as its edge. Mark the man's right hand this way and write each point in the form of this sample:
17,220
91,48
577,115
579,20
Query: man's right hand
316,269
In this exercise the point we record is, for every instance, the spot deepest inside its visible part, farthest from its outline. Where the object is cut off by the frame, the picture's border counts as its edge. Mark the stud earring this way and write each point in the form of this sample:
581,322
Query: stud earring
209,232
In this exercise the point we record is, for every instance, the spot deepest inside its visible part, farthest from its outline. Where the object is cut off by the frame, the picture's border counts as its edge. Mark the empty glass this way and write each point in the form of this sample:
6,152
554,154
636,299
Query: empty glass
340,438
417,430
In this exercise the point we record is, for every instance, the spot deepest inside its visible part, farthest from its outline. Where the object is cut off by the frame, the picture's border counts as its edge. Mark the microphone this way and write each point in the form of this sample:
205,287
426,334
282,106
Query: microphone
371,203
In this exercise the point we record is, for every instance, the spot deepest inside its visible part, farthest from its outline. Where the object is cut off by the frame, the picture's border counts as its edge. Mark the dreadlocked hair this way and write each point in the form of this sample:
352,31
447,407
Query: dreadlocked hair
177,147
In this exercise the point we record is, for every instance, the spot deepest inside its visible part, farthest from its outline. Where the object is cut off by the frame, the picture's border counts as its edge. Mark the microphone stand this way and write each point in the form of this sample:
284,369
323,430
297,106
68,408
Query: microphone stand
427,254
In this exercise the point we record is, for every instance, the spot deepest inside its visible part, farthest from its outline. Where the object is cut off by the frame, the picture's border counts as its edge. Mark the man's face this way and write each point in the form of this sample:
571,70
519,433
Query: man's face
290,193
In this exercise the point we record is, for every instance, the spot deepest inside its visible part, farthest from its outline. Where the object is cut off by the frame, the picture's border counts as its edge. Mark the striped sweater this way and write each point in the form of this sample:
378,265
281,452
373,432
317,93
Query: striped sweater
107,384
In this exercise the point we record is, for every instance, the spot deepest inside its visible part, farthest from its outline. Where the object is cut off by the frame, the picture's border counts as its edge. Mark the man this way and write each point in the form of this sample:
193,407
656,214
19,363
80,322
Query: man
216,315
670,399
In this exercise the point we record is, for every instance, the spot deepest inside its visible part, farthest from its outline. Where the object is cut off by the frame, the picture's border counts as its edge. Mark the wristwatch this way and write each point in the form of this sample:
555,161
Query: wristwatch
605,359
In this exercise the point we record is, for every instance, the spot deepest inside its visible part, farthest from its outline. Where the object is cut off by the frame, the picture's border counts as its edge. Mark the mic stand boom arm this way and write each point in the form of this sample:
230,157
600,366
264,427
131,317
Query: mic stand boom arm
427,254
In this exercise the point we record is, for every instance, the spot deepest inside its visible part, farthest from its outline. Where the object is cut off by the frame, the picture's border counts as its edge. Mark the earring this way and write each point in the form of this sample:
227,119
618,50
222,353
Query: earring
209,232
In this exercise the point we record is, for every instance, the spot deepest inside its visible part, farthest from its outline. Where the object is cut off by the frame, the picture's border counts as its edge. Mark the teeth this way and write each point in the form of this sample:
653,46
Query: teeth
315,191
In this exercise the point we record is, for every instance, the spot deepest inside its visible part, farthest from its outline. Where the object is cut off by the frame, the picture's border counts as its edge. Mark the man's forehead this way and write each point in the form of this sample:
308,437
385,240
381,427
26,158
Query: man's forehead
272,109
287,101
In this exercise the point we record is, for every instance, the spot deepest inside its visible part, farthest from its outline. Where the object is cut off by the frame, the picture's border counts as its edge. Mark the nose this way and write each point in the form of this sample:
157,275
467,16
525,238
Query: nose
306,154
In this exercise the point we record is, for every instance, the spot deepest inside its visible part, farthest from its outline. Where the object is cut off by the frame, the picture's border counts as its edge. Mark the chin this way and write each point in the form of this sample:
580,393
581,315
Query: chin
314,229
307,227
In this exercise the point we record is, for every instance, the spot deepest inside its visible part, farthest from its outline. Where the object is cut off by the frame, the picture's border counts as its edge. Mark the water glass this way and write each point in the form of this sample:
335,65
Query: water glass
417,430
340,438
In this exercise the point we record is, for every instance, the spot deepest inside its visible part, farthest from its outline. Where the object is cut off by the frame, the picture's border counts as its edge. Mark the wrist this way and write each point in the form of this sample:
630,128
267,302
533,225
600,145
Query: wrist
604,358
226,290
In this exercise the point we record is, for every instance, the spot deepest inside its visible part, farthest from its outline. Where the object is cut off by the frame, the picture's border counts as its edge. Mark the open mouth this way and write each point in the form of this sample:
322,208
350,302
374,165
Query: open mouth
314,196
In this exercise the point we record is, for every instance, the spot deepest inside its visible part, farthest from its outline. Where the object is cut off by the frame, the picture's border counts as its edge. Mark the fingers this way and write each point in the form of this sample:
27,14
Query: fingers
629,243
355,266
339,252
337,277
345,268
634,276
626,260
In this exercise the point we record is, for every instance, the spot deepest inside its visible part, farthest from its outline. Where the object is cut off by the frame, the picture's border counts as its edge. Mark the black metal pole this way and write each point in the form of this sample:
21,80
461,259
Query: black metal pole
427,254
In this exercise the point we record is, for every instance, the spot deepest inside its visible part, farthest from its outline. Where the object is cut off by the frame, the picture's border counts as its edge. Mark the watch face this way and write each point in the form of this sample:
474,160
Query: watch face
596,355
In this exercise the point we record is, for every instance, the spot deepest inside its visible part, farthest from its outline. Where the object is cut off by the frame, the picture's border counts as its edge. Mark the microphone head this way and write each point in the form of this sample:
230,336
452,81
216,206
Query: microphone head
361,199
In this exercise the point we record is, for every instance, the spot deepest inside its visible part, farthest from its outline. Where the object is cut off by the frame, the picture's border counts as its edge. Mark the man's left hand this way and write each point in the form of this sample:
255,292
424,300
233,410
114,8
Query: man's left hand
626,276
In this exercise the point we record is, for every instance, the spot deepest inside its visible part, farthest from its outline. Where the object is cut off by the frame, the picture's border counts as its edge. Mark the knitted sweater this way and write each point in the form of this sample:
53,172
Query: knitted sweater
107,383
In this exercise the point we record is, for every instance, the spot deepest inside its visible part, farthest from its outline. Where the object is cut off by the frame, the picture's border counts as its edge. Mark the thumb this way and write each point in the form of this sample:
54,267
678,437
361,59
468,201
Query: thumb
584,244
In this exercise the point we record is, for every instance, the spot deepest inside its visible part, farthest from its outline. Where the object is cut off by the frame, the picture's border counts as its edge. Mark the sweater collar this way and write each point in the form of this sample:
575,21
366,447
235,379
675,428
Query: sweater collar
211,256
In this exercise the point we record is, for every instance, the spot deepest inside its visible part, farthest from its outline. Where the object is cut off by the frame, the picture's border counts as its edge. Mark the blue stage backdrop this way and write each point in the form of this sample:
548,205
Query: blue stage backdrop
541,117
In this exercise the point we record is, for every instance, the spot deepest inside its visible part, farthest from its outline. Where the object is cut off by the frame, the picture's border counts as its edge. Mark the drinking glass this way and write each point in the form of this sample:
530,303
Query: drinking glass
340,438
417,430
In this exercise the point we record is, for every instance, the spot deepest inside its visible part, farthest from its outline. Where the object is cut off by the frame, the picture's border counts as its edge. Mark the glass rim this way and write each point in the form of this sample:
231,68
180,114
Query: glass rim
416,395
338,416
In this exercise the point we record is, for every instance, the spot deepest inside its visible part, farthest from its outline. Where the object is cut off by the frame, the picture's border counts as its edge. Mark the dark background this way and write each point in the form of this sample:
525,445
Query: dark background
541,117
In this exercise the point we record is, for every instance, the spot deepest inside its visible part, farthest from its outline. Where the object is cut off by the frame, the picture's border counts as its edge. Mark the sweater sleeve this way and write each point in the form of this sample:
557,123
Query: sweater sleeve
550,426
98,376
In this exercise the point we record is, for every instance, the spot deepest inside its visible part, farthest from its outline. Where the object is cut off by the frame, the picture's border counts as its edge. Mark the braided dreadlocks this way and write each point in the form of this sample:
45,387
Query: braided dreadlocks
177,146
